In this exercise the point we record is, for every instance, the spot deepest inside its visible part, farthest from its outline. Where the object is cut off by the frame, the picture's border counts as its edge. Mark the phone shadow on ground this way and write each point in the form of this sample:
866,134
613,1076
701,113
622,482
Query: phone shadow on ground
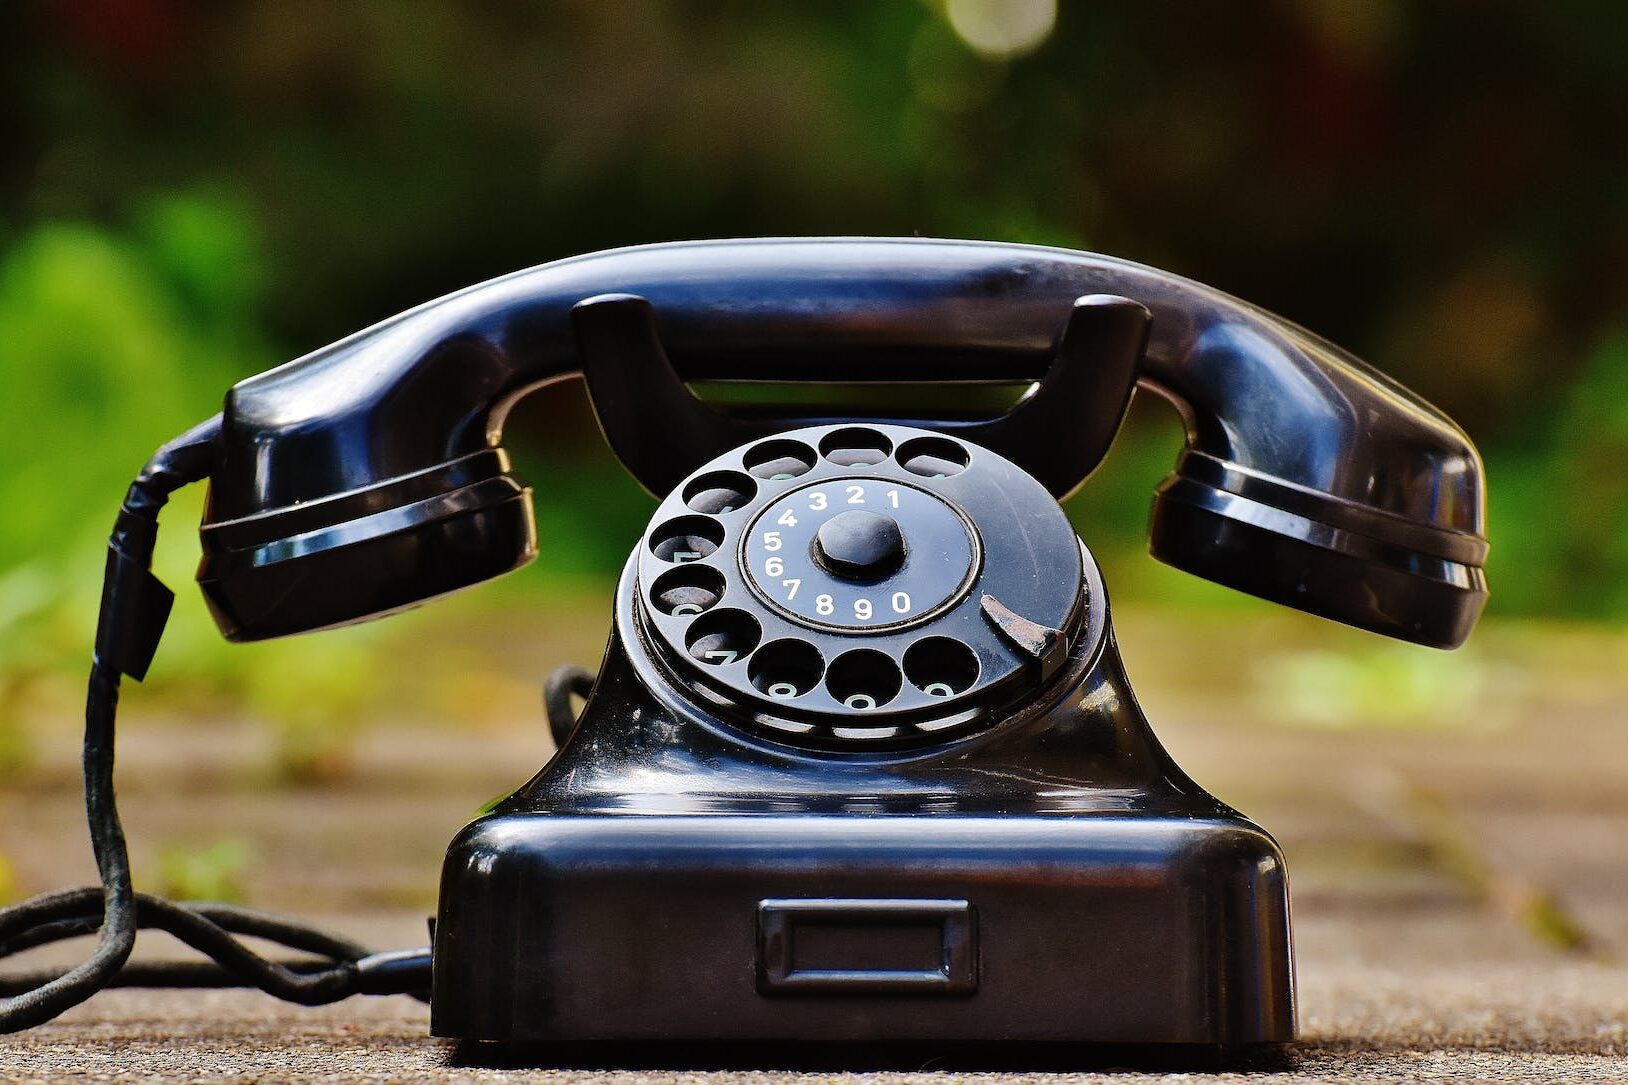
905,1057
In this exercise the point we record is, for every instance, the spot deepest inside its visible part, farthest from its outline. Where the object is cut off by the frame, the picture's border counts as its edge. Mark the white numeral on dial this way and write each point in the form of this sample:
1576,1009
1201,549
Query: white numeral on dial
774,567
862,609
816,501
823,604
771,541
901,602
787,519
791,587
893,496
856,495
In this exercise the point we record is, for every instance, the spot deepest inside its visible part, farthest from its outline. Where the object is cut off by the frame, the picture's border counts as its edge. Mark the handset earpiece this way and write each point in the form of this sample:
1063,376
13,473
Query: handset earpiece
1312,481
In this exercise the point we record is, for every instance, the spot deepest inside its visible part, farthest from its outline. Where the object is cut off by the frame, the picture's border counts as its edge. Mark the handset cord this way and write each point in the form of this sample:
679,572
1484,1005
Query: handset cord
135,606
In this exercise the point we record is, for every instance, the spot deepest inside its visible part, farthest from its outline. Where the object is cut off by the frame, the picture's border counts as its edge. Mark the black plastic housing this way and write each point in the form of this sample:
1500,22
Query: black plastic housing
671,877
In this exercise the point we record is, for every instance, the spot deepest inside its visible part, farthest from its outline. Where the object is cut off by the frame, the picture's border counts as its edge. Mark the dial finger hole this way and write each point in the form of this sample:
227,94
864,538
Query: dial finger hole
718,492
933,457
688,538
720,637
941,667
863,679
784,669
779,460
687,590
855,447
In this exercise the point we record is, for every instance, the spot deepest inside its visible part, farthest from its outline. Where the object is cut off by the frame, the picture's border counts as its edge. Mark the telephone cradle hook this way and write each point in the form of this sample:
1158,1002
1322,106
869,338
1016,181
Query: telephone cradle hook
660,430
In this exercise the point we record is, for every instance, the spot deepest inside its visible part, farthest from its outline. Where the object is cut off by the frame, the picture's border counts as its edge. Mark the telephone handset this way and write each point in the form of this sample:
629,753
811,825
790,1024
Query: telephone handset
861,761
374,464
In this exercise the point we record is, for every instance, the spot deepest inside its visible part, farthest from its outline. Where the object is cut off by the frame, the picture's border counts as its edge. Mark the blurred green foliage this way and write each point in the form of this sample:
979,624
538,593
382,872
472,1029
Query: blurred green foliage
213,872
191,193
1383,684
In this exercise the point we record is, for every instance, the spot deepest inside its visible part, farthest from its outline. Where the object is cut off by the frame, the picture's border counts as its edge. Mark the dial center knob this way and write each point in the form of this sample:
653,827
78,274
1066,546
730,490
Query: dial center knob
859,545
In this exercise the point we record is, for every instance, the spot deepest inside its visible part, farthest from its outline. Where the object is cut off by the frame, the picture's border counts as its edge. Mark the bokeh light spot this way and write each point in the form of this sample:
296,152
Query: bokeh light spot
1002,28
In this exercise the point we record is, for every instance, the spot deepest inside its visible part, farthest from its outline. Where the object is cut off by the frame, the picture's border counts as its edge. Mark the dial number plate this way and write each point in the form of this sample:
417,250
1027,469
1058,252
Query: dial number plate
778,555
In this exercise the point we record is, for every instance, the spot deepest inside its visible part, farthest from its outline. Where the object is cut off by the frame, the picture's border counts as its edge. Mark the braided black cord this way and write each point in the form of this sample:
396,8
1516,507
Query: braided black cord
208,928
75,912
338,969
559,687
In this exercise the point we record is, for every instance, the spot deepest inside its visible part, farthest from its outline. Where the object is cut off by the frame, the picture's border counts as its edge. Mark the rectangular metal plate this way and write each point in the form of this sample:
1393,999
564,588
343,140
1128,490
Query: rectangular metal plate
856,946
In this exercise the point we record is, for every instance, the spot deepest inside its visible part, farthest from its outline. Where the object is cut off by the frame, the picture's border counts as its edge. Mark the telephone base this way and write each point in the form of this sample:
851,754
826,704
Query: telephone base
841,929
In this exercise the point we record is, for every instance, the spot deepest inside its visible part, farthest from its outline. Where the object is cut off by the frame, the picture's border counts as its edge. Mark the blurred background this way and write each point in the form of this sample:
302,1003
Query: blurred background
192,193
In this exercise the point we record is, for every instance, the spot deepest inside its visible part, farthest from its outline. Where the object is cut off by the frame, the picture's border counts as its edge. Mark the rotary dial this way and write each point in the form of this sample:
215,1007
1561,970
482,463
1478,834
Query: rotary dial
860,585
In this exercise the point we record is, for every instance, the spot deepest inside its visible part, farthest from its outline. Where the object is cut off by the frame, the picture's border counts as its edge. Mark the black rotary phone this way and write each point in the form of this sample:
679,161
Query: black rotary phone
861,762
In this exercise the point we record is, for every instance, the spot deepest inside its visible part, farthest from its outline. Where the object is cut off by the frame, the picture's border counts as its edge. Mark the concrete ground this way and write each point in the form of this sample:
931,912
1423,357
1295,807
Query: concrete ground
1459,863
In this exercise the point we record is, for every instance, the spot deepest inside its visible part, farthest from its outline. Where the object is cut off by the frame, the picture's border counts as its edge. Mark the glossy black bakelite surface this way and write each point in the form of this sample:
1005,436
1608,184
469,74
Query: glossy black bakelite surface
372,464
680,872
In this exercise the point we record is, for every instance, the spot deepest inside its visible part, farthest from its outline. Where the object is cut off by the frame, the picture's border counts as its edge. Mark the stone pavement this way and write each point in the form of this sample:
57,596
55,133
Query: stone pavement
1460,875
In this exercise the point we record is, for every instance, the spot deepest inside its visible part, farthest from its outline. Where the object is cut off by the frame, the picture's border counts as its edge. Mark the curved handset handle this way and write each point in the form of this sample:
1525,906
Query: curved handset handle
367,476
